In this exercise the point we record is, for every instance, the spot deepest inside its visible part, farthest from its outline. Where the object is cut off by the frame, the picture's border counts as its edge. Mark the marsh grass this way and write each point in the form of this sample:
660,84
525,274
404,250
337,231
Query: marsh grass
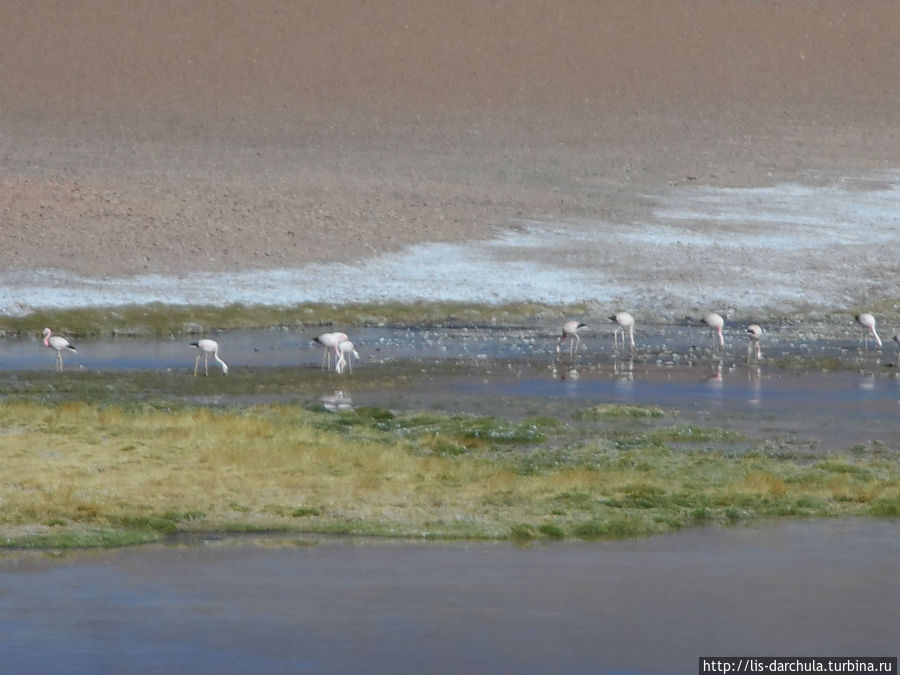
81,474
157,319
613,410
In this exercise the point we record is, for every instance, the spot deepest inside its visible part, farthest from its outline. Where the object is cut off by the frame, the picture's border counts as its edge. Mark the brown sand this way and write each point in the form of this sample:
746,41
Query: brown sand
162,135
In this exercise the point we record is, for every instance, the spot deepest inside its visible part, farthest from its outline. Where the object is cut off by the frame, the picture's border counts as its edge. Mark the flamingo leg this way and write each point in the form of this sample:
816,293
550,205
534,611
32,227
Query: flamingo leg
197,364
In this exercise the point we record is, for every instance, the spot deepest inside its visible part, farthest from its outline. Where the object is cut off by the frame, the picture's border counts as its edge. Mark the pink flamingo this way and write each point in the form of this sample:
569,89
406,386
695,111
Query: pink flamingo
59,344
624,321
570,331
715,322
329,343
345,347
754,333
867,321
206,348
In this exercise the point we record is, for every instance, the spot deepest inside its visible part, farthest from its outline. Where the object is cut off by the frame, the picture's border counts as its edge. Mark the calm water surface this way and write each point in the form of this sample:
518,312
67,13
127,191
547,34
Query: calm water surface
256,605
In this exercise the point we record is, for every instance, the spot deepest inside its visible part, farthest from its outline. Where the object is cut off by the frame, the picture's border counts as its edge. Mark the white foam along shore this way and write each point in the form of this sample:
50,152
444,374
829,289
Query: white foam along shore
788,247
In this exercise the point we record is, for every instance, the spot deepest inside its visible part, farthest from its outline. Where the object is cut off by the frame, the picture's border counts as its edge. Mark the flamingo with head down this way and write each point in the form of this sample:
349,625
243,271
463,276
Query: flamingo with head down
867,321
329,343
624,321
715,323
207,347
345,349
570,332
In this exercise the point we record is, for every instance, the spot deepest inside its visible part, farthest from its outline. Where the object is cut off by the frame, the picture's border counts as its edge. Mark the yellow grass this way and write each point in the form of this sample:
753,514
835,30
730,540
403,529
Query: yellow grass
79,466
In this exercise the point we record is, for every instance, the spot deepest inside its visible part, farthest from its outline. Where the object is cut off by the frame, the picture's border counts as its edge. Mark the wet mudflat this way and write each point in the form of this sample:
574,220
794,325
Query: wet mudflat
266,604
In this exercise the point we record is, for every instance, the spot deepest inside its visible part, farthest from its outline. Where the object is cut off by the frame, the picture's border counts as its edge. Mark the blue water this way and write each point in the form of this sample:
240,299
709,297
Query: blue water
356,606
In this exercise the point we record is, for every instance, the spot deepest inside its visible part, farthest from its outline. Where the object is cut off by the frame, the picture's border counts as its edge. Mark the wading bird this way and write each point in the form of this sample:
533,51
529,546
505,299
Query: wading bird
754,333
345,350
570,332
329,343
59,344
715,322
206,348
624,321
867,321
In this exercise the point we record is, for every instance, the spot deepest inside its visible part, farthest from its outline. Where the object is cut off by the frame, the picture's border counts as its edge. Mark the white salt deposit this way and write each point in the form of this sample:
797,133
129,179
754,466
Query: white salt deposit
787,247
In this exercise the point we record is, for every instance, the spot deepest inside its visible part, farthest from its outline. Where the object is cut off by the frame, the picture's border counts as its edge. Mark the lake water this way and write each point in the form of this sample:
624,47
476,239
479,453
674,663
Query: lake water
319,605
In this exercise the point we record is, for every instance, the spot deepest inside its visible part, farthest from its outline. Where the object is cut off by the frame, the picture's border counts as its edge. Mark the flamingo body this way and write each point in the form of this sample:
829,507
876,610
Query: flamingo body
207,347
570,332
58,343
624,321
345,350
754,334
329,343
715,323
867,321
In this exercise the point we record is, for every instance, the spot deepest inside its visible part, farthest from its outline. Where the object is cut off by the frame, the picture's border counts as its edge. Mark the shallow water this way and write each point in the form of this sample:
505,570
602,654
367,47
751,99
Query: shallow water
666,344
855,401
257,605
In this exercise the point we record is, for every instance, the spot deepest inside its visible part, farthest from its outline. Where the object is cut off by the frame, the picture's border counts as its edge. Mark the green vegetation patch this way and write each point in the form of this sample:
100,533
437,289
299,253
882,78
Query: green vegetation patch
610,410
85,475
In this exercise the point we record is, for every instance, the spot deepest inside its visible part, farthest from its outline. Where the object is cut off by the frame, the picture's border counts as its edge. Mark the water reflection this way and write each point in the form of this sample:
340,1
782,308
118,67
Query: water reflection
337,401
754,375
624,369
714,374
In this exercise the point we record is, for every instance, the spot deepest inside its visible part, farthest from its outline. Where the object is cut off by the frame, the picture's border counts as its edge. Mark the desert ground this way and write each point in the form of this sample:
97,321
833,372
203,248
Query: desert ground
162,137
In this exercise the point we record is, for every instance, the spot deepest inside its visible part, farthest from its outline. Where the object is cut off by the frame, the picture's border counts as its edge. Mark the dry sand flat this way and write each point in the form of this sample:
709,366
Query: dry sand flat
165,137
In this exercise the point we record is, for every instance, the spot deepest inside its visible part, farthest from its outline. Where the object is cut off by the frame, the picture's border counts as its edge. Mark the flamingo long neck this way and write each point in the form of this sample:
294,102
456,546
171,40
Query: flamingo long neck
875,335
47,340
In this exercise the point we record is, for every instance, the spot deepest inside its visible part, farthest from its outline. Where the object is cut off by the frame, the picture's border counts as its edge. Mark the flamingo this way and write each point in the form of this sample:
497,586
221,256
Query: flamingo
59,344
206,348
329,343
867,321
754,333
570,331
715,323
345,347
623,320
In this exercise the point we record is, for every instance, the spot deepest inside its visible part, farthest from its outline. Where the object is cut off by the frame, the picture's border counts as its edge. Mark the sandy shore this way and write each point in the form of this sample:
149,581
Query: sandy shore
218,137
